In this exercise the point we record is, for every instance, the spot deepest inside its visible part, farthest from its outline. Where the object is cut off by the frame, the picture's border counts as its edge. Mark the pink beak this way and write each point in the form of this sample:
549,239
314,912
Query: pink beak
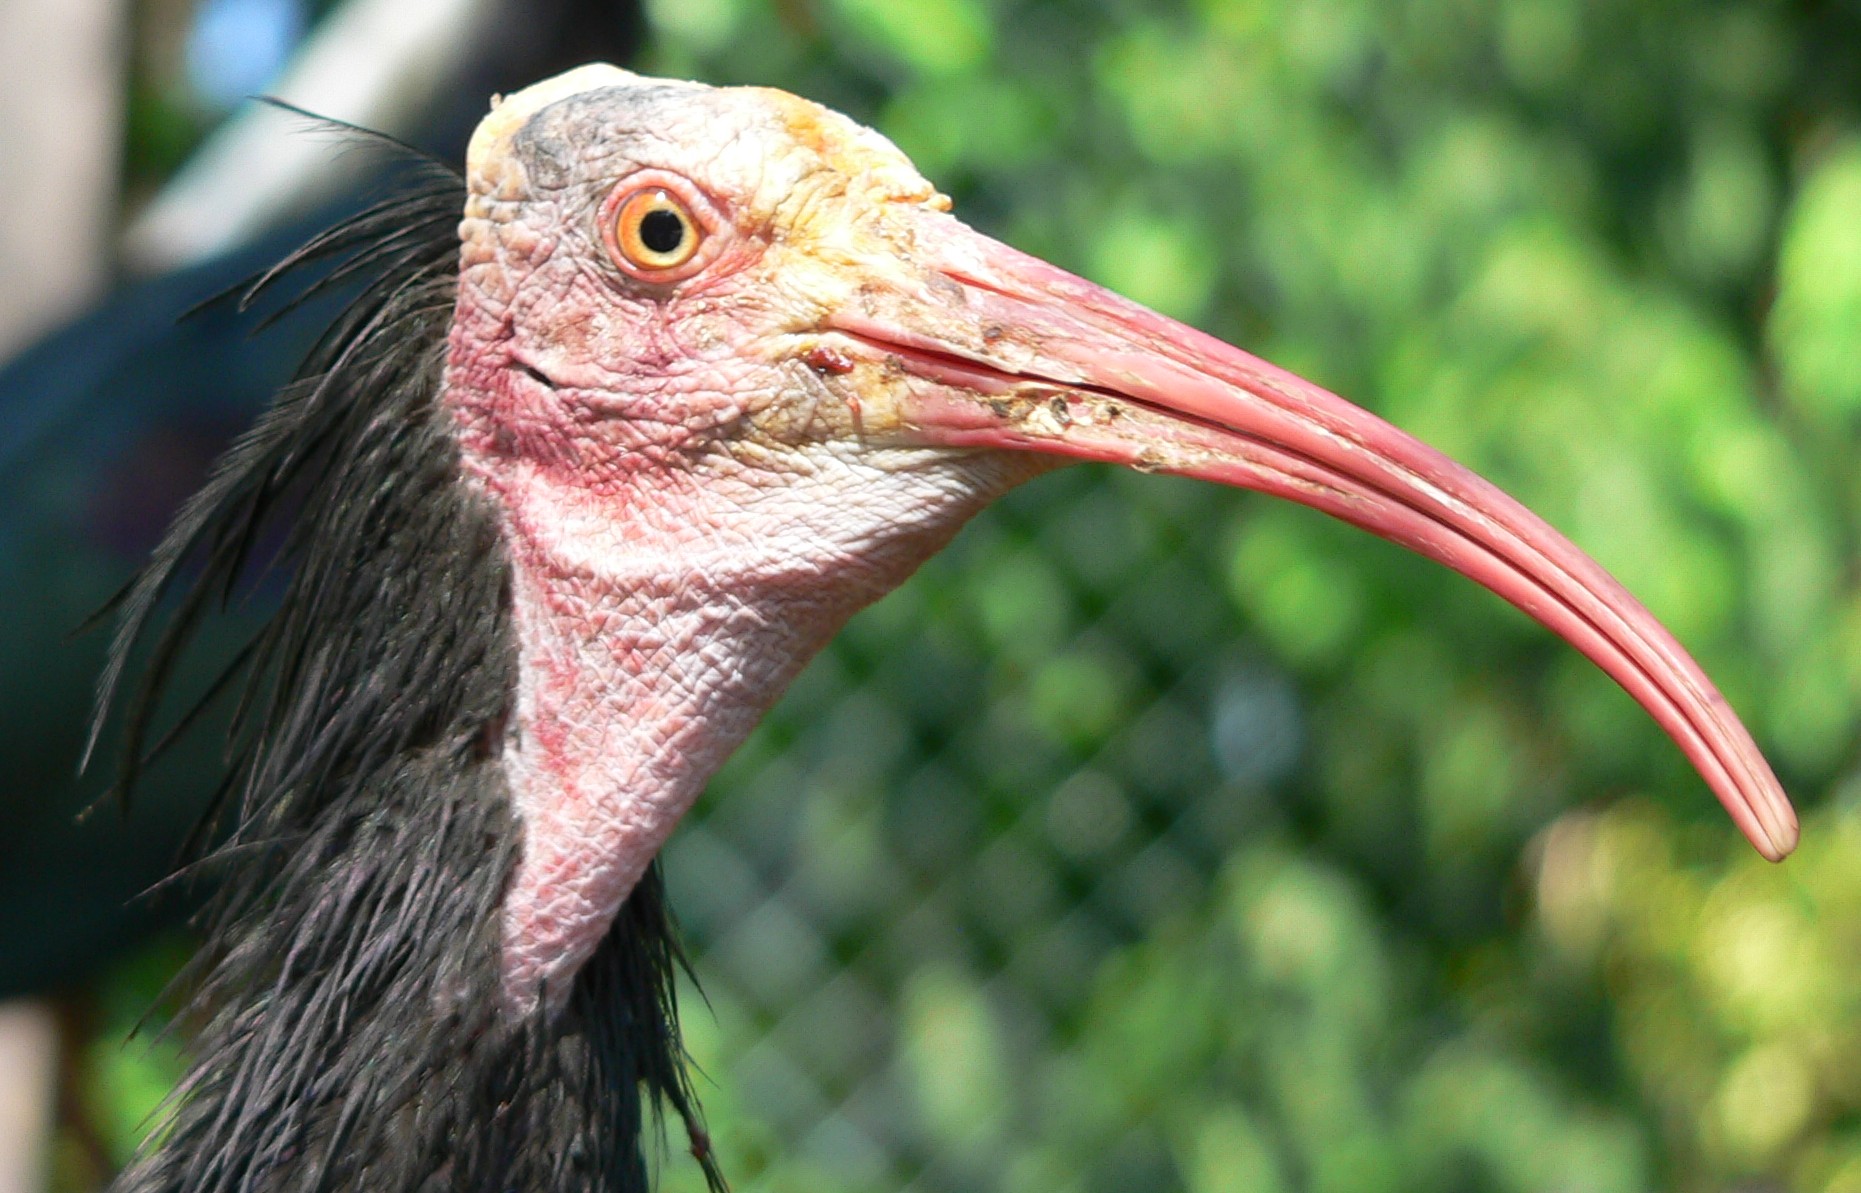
1003,350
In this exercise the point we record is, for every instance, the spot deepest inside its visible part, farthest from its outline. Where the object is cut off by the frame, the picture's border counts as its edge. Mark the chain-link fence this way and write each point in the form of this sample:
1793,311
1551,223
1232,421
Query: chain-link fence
904,897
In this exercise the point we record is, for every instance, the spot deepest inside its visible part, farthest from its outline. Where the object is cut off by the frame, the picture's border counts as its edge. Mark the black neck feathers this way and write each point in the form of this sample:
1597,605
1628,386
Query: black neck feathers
350,1029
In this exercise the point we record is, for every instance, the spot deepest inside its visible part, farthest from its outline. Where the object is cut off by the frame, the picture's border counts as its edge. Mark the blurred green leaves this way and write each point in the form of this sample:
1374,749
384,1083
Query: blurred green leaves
1813,326
1307,603
928,37
957,1059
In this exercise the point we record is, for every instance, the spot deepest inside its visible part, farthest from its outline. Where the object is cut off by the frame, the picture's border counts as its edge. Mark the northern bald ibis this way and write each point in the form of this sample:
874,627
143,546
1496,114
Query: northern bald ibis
624,426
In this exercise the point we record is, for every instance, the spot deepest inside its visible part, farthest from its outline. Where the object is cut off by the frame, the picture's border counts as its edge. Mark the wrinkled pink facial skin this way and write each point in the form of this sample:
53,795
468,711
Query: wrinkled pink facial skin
700,480
685,532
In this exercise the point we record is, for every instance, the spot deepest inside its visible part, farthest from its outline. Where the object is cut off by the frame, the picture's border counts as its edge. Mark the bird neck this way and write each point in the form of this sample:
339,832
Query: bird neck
637,679
666,587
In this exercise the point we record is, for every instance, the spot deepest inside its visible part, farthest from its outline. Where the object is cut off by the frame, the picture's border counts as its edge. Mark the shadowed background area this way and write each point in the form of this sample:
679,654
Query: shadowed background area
1160,837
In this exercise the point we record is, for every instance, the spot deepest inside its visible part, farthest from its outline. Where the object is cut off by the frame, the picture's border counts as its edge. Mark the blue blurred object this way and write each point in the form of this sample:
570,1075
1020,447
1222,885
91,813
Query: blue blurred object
237,47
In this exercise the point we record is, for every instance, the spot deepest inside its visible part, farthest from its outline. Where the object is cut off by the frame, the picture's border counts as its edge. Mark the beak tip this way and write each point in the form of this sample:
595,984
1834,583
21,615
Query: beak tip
1785,842
1777,829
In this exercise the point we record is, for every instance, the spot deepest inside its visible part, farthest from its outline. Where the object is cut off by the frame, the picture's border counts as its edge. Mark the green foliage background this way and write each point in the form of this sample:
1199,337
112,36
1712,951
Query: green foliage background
1159,837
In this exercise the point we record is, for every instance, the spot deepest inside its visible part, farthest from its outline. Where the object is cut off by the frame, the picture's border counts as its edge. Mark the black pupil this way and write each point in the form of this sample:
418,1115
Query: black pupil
662,231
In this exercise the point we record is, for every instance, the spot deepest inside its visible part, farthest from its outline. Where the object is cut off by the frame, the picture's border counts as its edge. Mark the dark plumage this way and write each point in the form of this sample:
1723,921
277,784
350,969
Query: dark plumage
371,842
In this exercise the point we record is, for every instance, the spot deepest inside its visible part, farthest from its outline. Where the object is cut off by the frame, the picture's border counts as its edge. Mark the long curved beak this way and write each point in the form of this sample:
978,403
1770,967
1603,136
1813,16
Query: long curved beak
990,348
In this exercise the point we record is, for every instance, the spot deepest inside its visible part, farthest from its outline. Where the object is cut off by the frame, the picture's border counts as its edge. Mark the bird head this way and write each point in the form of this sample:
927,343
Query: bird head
725,357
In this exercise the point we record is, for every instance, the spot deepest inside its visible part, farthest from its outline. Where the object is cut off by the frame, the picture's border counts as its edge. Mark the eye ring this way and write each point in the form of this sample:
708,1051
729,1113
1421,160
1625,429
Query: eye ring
659,228
654,231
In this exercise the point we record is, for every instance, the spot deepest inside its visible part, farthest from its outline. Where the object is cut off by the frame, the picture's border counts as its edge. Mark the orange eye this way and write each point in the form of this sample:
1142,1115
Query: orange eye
655,232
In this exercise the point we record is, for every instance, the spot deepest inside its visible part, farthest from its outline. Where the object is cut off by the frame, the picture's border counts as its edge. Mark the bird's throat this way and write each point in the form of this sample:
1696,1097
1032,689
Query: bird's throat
632,692
660,610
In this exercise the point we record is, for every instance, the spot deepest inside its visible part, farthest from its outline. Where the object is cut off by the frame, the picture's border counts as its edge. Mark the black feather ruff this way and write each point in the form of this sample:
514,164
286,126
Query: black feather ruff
351,1033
